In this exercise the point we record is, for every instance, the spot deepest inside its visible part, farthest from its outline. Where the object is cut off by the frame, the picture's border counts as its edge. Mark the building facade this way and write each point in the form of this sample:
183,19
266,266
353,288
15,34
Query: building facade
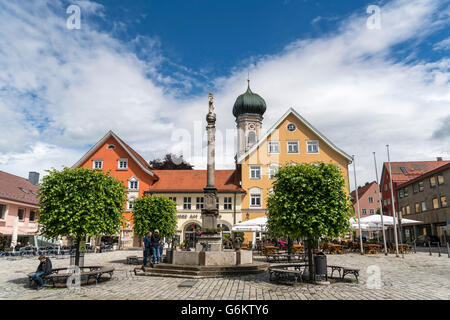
291,140
185,187
19,205
242,193
111,154
368,203
425,198
402,172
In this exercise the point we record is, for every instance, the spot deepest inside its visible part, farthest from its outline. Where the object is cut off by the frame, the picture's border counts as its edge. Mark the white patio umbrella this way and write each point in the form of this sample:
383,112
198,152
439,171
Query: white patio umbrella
253,225
388,220
364,226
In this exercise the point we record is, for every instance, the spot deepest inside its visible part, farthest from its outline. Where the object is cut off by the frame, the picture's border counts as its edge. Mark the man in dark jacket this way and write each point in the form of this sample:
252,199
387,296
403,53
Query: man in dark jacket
146,244
44,268
156,238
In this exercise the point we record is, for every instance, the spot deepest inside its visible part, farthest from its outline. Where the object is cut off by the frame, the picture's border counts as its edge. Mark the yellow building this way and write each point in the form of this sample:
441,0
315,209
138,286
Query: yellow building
291,139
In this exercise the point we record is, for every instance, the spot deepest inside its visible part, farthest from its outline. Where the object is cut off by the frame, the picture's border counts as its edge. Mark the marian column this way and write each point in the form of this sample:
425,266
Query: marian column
210,212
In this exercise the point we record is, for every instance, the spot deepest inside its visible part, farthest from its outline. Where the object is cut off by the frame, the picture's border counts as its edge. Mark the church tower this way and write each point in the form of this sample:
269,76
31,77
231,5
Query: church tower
248,111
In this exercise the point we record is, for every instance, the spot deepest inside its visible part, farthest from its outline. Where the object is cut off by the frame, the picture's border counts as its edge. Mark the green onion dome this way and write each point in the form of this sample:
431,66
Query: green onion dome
249,102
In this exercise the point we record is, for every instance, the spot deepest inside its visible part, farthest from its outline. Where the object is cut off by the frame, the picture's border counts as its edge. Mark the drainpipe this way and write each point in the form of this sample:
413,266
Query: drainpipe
234,210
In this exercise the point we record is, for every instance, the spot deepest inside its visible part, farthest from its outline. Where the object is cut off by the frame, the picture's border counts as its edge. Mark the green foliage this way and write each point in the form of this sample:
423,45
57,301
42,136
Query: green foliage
80,202
309,201
155,212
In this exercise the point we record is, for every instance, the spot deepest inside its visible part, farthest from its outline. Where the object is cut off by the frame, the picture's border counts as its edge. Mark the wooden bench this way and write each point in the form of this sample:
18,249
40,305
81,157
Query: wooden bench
344,271
284,272
275,257
58,276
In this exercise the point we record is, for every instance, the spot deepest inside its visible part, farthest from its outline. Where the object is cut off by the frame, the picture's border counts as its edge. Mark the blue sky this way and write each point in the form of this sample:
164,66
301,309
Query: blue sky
211,38
143,69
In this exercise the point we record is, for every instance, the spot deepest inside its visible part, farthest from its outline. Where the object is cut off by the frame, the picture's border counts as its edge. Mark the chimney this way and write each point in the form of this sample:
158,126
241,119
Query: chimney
439,158
33,177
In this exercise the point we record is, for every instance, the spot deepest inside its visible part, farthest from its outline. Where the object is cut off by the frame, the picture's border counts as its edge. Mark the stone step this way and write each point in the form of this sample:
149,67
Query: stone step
254,266
194,272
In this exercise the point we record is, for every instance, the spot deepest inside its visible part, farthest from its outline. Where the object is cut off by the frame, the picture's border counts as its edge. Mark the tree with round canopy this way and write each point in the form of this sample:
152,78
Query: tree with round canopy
80,202
309,201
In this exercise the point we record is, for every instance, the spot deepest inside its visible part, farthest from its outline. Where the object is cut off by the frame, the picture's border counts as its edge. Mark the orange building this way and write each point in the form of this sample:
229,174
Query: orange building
112,154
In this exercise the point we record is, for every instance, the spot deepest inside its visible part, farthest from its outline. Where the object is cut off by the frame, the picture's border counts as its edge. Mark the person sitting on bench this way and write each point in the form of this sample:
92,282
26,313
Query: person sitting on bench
44,268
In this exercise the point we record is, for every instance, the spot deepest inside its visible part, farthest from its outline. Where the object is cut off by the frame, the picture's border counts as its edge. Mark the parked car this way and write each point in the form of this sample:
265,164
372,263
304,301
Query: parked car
423,240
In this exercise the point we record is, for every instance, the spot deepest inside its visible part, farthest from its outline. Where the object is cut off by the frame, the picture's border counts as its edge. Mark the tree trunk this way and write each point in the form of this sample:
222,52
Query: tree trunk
310,259
290,243
77,252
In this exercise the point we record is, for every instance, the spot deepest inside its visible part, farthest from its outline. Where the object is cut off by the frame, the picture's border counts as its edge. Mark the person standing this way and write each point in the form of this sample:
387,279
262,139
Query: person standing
146,244
155,240
44,268
161,250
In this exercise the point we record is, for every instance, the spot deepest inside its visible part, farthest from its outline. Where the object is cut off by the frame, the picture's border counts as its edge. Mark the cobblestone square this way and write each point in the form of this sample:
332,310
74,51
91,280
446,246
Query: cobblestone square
416,276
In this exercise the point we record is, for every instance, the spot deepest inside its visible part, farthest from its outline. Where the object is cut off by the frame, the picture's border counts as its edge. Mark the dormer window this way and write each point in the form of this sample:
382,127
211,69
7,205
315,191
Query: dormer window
23,190
122,164
97,164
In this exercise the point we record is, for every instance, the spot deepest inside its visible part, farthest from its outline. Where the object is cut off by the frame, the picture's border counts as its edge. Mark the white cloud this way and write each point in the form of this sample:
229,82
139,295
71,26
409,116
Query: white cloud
346,84
442,45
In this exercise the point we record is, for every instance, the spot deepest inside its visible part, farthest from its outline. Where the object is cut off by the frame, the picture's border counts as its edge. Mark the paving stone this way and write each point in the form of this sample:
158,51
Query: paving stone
416,276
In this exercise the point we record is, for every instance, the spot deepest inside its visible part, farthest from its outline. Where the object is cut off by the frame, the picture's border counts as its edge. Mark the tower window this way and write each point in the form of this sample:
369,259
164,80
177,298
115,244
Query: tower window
251,137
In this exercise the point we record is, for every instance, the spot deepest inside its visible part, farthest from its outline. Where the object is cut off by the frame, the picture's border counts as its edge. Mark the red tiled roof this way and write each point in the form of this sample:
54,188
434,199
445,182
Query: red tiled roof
194,181
9,189
426,174
413,169
361,190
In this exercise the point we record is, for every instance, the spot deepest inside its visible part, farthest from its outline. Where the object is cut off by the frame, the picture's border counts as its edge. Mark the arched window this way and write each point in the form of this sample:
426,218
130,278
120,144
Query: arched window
190,236
251,138
255,197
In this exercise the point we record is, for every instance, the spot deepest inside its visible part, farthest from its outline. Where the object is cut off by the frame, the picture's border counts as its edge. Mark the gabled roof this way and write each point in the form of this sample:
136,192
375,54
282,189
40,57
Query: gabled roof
362,190
195,181
306,123
411,169
133,154
10,189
